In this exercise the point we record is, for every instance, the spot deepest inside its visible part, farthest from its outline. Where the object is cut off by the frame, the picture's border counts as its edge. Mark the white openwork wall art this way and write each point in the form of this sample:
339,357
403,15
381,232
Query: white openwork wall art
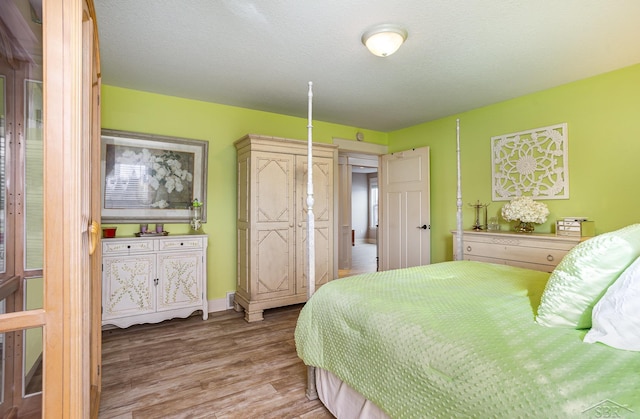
533,163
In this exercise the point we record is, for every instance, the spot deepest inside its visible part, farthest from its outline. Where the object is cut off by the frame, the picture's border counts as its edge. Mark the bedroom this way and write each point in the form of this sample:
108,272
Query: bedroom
592,107
603,132
603,144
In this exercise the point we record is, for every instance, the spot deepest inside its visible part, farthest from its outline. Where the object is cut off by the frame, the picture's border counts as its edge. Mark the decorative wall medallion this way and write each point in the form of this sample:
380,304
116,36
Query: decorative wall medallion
533,163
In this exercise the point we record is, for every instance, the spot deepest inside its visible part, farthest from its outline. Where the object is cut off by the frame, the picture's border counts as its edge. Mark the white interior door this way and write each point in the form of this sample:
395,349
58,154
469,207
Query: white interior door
405,226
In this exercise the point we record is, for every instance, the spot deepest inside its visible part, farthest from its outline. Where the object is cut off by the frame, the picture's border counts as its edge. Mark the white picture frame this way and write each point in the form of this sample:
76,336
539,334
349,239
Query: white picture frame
151,178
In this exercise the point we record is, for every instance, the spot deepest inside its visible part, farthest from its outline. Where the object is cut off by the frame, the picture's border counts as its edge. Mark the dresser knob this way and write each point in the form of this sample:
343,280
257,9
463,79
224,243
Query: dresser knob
468,248
550,258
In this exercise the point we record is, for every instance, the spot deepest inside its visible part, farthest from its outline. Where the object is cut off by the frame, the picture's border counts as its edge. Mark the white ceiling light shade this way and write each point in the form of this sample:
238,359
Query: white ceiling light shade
384,40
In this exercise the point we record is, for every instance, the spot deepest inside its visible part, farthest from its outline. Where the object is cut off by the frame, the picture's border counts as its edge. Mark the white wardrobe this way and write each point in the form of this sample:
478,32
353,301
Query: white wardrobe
272,218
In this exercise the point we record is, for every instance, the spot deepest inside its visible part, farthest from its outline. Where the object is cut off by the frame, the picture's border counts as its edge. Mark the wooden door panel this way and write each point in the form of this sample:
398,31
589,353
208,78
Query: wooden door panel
404,209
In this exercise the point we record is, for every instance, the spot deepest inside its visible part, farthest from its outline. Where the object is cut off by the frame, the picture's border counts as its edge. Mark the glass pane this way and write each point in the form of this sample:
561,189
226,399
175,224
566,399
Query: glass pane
2,173
33,175
3,351
32,361
32,368
373,202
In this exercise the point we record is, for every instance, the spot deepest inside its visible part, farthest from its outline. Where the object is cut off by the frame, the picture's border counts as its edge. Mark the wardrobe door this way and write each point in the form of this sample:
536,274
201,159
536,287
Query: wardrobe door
323,215
274,226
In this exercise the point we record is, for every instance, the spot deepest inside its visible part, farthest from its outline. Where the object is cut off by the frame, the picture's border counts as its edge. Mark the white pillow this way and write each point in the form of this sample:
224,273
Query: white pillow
616,317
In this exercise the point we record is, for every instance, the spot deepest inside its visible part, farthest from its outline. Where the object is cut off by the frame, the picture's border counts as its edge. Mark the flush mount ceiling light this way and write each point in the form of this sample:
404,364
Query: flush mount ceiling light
384,40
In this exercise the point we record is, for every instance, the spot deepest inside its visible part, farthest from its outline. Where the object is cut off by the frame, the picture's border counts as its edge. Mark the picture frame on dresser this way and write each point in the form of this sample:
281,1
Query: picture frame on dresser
151,178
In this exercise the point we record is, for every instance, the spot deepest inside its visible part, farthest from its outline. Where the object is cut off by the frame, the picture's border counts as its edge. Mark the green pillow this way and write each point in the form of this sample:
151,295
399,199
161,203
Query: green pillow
584,275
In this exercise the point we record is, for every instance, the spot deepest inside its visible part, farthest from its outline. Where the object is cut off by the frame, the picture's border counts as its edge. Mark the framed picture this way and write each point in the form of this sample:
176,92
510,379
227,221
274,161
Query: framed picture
151,178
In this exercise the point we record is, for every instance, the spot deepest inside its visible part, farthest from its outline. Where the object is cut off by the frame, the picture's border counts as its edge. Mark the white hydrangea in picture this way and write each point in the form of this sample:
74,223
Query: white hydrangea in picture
151,177
532,163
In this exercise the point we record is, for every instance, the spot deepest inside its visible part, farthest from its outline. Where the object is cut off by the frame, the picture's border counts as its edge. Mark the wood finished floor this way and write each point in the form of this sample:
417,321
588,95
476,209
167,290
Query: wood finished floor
363,259
223,367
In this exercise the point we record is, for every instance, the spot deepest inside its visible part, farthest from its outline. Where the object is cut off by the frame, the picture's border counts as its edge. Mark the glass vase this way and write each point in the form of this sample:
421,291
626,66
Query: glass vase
196,217
524,227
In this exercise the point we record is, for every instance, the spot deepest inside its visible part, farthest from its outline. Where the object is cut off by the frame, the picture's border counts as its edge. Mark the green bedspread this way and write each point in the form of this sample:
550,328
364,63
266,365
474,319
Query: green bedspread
458,339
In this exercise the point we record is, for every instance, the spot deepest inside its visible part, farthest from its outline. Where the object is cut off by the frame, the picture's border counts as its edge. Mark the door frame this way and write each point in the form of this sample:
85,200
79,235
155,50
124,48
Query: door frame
348,147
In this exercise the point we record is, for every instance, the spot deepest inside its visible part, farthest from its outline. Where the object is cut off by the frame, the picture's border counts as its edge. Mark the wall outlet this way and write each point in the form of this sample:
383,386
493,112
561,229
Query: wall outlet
230,297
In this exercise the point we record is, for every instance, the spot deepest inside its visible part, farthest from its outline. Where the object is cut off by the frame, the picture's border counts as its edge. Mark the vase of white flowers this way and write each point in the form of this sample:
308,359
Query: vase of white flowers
526,212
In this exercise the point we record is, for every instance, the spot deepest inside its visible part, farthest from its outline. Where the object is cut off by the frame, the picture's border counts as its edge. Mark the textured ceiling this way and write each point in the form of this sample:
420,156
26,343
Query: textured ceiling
459,55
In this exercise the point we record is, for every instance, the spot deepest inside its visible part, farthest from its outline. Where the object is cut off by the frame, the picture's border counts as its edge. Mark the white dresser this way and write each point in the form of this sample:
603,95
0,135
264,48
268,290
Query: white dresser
541,252
151,279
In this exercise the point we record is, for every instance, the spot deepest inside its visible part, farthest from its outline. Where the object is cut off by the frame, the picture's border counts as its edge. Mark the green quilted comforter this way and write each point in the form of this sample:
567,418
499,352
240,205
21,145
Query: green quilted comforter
458,339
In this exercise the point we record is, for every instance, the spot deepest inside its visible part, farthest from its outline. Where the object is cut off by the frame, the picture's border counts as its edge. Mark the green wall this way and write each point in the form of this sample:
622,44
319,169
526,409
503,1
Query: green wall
604,146
132,110
603,120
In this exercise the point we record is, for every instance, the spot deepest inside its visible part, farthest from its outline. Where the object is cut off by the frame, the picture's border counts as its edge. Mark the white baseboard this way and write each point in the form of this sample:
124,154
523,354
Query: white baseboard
219,304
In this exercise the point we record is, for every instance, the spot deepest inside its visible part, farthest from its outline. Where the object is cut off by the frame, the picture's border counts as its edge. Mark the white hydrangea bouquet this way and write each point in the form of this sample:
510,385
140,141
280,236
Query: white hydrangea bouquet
526,211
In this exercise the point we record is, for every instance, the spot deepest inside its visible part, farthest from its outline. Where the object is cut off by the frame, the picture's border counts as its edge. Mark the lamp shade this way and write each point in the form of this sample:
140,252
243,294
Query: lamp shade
384,40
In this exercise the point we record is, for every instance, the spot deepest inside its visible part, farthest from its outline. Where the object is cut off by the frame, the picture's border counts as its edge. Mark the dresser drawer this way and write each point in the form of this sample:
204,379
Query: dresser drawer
535,255
127,246
181,243
518,263
541,252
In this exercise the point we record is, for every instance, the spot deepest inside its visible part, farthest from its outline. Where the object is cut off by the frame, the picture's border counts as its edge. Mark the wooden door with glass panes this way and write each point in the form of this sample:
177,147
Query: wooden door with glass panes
49,158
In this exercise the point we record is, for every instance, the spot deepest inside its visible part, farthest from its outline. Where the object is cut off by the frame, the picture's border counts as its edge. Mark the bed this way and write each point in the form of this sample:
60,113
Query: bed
472,339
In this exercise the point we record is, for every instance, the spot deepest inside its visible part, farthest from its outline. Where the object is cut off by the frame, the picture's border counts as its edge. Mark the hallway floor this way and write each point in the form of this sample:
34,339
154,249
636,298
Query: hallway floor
363,259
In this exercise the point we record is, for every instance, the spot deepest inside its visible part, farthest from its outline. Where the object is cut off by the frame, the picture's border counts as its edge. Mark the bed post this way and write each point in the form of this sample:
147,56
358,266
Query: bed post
311,256
459,246
312,392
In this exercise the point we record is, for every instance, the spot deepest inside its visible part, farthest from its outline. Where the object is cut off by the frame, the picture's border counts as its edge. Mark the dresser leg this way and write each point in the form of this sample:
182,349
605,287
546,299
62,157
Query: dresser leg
253,316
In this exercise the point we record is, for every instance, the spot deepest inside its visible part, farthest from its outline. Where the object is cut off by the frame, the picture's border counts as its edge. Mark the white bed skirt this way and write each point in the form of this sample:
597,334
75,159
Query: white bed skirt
343,401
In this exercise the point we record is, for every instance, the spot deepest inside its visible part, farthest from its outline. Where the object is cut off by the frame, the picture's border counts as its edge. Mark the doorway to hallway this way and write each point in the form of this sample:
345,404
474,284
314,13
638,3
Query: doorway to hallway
358,244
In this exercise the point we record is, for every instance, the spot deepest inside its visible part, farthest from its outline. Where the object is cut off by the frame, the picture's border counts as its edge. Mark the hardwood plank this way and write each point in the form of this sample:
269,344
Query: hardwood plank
222,367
